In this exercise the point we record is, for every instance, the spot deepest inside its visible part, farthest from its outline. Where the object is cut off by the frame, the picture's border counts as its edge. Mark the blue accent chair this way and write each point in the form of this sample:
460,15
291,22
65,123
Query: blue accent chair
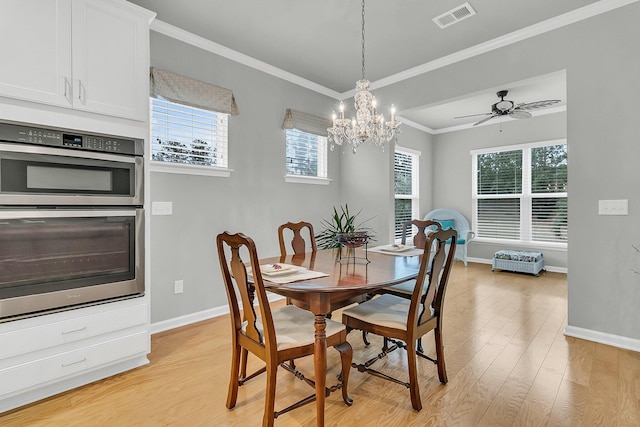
451,218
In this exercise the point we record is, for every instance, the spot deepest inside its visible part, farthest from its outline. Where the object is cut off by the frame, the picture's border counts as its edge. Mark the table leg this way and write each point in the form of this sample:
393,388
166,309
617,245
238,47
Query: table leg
320,366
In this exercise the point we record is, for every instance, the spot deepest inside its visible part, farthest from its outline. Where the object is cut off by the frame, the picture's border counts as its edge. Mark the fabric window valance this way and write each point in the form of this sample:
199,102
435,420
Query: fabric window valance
194,93
310,123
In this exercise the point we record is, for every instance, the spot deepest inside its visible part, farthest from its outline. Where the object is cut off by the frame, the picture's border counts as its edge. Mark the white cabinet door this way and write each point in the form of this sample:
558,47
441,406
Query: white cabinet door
89,55
35,47
110,59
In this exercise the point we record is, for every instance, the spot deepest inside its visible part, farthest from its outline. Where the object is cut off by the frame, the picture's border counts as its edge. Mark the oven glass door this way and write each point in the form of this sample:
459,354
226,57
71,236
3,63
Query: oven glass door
51,176
69,254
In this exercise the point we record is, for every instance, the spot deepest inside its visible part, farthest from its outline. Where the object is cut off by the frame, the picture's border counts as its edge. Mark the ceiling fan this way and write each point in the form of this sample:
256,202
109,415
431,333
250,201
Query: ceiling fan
504,107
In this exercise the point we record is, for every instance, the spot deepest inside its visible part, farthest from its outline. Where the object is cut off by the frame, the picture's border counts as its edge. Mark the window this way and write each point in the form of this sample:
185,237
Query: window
306,154
189,125
520,194
406,188
305,147
188,135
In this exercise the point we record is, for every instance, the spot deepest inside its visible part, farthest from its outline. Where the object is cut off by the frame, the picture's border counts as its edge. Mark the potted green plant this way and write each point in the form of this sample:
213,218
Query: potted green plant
342,230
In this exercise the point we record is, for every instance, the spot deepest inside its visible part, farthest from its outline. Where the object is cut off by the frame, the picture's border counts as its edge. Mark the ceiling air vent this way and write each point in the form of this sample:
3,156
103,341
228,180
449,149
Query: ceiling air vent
454,15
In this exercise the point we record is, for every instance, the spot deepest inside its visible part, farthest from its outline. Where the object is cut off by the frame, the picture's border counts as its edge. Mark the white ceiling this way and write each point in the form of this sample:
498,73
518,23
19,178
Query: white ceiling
442,117
320,41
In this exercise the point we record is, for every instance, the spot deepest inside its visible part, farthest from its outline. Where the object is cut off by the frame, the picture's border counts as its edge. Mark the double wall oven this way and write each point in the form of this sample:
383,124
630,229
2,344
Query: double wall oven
71,219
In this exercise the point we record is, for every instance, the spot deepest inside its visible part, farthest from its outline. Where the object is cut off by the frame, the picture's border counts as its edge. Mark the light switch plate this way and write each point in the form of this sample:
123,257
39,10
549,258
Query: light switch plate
613,207
161,208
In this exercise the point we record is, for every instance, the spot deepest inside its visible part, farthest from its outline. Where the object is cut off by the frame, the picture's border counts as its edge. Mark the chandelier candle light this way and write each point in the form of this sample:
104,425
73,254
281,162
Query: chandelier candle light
367,125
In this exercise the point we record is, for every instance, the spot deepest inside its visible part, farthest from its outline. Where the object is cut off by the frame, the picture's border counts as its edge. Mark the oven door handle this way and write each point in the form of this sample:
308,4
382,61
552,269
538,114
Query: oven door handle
32,216
66,152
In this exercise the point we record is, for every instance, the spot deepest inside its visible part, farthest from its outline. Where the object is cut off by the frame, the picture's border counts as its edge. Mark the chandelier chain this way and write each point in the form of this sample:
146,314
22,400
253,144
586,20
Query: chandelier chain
368,124
362,39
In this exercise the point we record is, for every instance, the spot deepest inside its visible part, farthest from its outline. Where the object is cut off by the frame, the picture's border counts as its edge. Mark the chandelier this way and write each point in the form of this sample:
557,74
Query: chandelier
368,124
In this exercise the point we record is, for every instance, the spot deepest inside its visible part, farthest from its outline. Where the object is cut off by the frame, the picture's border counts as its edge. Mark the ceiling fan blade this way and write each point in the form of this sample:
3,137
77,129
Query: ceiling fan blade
485,119
537,104
520,114
473,115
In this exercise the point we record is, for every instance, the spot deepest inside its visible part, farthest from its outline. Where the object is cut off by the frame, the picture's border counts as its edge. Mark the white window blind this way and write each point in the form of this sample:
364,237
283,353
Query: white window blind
549,193
305,144
406,188
520,194
306,154
188,135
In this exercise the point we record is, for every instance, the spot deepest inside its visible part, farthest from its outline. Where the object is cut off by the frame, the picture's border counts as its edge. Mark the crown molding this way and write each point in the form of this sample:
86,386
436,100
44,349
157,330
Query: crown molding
551,24
415,125
215,48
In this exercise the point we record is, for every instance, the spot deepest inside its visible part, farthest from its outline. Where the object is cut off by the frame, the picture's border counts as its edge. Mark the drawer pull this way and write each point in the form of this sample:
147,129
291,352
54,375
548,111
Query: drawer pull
74,330
64,365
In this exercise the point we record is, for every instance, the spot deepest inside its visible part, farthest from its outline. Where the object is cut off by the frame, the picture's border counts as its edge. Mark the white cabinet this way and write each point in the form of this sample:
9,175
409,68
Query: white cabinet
89,55
35,48
110,47
44,355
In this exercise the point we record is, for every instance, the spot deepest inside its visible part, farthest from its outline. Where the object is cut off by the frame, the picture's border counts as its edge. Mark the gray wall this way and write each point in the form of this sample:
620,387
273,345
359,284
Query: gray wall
368,181
255,199
600,56
601,60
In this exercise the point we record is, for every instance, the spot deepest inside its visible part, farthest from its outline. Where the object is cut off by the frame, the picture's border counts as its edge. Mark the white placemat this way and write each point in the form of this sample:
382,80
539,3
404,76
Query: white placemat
294,276
389,250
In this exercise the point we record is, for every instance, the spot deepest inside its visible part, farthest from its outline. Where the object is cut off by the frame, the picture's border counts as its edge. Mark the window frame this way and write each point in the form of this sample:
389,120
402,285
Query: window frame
415,188
526,196
186,168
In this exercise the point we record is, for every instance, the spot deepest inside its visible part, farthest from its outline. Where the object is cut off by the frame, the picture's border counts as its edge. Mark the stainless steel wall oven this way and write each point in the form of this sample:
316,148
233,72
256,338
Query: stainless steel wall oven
71,219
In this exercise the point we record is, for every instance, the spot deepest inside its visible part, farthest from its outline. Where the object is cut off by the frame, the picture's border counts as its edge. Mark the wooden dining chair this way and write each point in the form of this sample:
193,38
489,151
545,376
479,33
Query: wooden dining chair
403,321
405,289
275,336
298,243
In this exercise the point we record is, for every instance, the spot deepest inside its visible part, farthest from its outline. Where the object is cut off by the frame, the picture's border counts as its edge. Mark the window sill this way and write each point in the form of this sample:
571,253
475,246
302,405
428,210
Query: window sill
190,169
562,247
300,179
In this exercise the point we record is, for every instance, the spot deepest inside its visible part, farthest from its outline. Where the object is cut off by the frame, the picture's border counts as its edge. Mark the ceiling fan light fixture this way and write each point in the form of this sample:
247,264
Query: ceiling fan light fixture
505,107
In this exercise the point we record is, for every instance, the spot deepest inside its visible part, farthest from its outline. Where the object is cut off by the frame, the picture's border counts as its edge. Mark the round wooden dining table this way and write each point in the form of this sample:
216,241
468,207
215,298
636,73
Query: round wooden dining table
350,274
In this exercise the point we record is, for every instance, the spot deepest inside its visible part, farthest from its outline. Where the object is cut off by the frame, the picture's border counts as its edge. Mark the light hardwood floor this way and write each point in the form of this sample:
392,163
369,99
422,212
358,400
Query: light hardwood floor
508,363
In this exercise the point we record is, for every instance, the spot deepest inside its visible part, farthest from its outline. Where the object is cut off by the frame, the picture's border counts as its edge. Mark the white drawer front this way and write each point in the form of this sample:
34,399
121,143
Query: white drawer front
61,365
49,335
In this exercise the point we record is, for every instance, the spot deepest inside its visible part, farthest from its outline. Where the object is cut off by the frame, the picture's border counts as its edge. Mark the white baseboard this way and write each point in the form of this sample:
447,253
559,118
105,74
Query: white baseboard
549,268
603,338
188,319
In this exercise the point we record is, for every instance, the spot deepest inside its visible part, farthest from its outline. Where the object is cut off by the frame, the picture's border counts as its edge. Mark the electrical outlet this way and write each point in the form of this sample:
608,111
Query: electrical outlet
178,286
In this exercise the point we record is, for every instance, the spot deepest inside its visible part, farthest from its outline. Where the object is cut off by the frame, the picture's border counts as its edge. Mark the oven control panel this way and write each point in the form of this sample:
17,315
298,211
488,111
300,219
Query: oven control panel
10,132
